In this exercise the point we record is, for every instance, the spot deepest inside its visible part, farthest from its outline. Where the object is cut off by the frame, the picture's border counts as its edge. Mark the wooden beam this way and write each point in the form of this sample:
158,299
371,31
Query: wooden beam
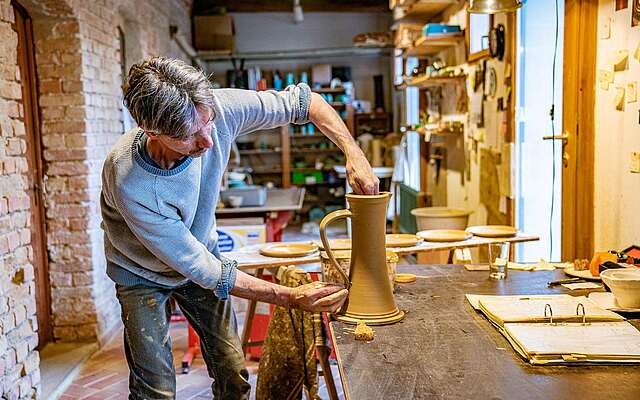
580,41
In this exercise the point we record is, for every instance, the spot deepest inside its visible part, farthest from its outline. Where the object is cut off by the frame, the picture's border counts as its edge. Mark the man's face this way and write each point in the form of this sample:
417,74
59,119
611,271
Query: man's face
199,140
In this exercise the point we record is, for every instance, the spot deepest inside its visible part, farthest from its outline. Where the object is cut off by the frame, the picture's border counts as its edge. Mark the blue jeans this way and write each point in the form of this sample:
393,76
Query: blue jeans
146,313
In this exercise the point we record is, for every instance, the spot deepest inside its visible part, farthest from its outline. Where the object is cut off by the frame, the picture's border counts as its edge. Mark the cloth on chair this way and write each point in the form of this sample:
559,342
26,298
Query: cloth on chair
288,362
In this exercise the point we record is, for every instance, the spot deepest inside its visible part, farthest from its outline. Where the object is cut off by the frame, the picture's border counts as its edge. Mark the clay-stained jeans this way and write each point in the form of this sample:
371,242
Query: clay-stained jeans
146,313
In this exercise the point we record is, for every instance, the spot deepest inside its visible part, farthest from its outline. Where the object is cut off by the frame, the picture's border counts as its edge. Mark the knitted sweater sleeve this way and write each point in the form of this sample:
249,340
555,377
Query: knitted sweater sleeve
248,110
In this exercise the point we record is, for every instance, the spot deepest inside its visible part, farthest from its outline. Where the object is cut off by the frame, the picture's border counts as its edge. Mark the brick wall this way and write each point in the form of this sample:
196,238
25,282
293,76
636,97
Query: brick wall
19,373
79,83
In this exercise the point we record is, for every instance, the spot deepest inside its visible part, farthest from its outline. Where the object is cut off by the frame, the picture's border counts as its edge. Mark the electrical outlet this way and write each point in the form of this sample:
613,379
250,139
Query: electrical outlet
634,164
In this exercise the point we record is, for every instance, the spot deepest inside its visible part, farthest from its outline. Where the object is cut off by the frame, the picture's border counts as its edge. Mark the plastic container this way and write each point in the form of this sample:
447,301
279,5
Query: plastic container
440,218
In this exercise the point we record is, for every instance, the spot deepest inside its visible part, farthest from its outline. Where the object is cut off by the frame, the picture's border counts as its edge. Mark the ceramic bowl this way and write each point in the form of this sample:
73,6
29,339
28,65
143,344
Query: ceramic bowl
235,201
625,285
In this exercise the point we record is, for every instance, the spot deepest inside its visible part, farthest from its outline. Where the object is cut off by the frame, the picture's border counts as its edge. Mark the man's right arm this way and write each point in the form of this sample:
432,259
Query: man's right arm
315,297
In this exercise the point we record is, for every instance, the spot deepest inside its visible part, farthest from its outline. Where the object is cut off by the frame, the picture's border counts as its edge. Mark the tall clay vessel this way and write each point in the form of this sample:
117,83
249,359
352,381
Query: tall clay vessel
370,293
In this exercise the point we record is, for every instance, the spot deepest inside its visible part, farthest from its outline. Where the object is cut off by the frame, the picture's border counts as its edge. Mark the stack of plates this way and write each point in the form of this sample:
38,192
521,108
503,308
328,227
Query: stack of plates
289,250
401,240
444,235
492,231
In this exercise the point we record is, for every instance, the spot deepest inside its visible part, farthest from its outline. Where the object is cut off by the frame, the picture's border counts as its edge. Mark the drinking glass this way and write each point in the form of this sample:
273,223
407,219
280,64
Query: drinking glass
498,260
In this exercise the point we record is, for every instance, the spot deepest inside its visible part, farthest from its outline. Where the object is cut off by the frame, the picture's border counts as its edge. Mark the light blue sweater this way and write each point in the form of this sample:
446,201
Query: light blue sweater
159,225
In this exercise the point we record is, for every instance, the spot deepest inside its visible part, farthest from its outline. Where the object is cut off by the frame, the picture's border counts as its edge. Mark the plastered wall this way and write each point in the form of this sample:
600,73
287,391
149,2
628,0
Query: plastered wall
617,134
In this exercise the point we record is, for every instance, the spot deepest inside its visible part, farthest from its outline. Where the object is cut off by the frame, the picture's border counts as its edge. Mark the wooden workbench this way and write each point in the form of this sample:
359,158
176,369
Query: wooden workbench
446,350
249,257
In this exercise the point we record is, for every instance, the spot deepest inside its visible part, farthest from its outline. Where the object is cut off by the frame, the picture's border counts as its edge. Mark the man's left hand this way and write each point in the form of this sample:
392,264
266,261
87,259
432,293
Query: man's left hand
360,174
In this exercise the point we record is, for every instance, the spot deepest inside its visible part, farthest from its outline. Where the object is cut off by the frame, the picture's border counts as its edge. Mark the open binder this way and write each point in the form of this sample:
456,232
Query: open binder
546,329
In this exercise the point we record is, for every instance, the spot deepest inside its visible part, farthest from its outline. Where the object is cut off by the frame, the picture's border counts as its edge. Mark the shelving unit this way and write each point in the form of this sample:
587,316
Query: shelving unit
306,147
433,44
430,81
419,9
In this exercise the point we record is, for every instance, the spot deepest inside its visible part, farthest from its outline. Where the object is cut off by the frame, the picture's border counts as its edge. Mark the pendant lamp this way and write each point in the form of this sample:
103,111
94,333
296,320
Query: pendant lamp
493,6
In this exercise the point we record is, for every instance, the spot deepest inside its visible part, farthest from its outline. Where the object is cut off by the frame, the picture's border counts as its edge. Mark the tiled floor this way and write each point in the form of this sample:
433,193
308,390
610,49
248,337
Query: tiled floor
105,375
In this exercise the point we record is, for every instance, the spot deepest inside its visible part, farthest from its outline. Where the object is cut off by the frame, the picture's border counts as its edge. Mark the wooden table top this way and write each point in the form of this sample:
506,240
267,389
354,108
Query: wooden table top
444,349
249,256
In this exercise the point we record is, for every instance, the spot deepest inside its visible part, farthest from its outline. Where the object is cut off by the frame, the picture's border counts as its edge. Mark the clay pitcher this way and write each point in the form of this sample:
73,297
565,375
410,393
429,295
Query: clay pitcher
370,293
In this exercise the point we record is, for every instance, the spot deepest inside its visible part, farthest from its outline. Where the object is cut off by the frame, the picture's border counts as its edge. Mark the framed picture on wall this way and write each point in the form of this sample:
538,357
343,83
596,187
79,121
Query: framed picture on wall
635,13
478,27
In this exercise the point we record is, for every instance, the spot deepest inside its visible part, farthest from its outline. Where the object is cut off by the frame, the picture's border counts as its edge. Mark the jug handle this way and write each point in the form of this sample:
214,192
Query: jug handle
332,216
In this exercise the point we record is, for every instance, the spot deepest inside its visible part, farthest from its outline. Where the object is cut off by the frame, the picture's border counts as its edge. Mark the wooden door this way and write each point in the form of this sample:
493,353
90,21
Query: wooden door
580,45
34,175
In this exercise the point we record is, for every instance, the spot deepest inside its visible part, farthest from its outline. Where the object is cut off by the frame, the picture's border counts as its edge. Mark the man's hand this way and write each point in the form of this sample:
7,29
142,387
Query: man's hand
360,174
318,297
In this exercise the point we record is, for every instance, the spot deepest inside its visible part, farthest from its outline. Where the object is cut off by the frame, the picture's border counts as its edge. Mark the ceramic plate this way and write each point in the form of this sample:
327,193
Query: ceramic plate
444,235
287,250
492,231
402,240
585,274
337,244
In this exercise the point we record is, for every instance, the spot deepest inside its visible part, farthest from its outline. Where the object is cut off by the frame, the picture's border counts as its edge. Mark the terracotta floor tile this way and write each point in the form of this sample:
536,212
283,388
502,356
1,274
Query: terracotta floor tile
105,375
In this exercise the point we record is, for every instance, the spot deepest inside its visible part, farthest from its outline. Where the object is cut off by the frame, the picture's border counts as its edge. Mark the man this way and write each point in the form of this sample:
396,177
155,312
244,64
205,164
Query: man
161,183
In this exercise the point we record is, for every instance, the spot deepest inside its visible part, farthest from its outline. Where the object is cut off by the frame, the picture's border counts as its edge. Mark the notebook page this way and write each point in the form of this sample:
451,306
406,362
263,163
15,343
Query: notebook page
533,310
596,340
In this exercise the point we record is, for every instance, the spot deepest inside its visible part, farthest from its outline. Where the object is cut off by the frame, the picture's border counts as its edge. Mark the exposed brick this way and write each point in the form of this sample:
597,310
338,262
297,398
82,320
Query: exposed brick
68,168
50,86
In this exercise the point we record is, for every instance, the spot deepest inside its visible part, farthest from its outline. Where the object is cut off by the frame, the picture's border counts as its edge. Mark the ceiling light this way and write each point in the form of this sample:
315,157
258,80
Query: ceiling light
494,6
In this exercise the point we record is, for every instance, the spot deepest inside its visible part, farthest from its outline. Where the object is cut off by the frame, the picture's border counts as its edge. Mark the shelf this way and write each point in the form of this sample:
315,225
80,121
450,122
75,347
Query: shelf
227,56
430,81
311,170
337,104
259,151
422,9
320,184
329,90
331,150
433,44
265,171
320,136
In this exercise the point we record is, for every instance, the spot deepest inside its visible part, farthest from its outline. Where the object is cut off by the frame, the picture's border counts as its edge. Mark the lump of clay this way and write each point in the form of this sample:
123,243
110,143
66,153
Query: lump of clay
363,332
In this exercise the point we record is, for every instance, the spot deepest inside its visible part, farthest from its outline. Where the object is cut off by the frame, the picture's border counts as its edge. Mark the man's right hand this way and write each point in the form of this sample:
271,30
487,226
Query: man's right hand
318,297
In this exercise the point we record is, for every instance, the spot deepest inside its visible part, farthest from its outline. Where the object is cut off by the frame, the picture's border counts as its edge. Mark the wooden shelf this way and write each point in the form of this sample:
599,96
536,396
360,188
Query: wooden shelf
329,90
319,136
337,104
429,81
259,151
433,44
303,151
422,9
267,171
309,169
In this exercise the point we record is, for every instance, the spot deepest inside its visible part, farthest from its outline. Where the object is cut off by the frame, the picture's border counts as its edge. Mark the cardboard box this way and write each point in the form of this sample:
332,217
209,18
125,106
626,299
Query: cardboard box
233,234
213,32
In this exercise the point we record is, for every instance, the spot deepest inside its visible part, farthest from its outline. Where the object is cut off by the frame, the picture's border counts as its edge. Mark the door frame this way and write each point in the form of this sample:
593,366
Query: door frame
579,81
26,62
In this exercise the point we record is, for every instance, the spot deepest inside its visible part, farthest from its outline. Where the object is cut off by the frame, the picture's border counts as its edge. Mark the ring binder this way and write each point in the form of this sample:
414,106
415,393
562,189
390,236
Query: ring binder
548,306
579,307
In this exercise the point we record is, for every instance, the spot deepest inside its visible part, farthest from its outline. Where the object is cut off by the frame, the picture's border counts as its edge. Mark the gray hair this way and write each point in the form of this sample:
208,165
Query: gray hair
163,94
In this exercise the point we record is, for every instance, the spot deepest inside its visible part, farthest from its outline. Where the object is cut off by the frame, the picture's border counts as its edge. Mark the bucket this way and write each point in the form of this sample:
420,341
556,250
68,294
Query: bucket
440,218
343,257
